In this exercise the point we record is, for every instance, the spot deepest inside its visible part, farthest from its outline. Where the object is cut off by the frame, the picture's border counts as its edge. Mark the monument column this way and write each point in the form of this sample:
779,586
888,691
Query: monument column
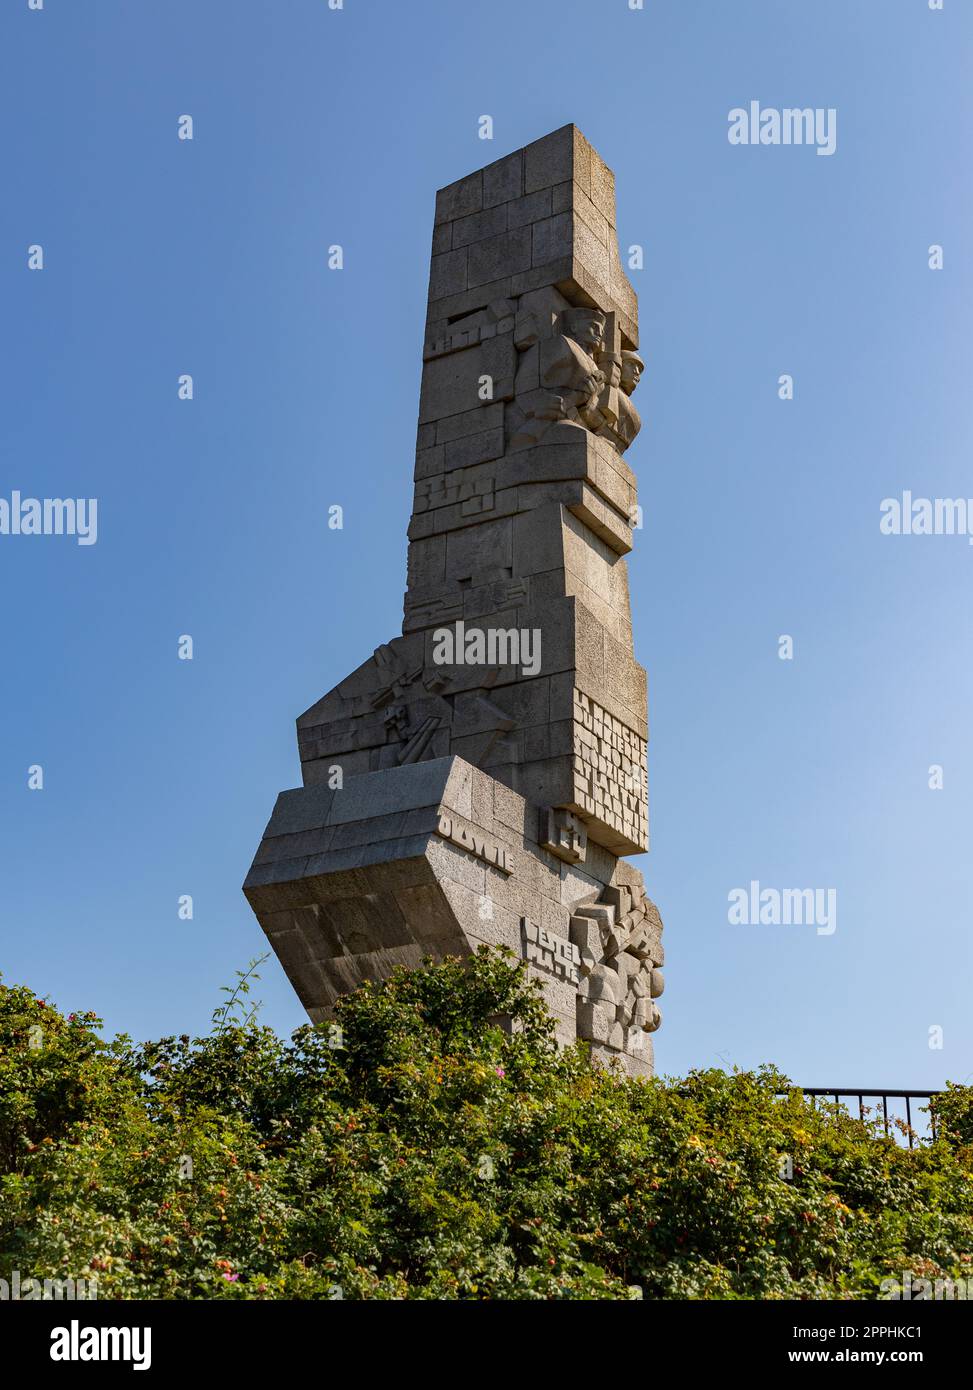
477,778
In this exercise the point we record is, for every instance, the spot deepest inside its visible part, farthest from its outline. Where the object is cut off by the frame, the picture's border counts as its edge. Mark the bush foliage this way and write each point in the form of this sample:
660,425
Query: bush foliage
434,1154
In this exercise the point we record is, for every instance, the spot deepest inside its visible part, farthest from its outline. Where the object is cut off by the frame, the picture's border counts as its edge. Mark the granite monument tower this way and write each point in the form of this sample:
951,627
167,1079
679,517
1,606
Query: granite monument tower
477,779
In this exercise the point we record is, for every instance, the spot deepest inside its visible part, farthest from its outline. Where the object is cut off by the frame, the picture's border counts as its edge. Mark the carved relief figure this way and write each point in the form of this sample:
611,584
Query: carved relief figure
569,368
581,378
627,422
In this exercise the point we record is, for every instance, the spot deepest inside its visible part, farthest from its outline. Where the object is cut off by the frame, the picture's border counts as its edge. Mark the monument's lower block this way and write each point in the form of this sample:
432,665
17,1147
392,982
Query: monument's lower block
437,858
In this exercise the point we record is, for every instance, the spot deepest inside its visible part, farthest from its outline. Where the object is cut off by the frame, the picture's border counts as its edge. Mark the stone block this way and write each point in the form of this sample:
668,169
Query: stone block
538,542
473,421
503,181
497,257
578,889
556,272
620,898
450,386
570,197
602,914
510,809
468,301
460,199
535,207
302,809
427,562
299,846
429,462
480,226
447,274
602,189
560,157
589,250
559,996
473,448
551,239
555,917
480,551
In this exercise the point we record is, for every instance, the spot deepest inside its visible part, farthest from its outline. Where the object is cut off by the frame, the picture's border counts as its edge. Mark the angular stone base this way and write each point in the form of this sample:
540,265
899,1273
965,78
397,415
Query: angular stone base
436,858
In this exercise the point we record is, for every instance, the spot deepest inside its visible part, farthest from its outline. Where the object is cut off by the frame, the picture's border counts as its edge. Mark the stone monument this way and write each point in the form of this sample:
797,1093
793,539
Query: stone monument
477,778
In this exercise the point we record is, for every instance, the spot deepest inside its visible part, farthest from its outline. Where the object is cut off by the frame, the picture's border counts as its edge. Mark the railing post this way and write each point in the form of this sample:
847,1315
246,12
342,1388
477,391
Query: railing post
812,1093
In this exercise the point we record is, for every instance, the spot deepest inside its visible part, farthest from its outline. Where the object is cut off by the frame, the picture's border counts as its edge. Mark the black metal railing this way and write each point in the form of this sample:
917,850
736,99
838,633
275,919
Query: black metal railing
875,1094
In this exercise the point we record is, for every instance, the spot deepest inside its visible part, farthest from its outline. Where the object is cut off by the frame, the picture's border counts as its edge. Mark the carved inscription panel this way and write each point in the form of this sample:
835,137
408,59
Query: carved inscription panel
457,832
610,780
553,954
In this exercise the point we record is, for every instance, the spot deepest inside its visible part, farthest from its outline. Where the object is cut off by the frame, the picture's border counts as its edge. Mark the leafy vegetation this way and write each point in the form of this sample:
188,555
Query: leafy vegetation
416,1149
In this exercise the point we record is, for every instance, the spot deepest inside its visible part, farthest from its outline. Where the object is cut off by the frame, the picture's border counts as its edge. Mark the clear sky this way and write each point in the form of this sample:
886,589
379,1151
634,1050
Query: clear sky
315,126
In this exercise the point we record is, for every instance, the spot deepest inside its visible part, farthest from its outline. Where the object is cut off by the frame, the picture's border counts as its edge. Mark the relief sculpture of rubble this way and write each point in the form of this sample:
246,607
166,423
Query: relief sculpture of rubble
477,778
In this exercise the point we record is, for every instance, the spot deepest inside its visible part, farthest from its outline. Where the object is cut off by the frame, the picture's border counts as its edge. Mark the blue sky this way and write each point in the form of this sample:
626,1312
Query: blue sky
209,257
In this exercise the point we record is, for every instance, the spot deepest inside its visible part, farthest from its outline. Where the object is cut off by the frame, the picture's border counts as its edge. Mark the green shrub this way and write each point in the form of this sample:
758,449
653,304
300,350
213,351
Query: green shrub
952,1111
433,1154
